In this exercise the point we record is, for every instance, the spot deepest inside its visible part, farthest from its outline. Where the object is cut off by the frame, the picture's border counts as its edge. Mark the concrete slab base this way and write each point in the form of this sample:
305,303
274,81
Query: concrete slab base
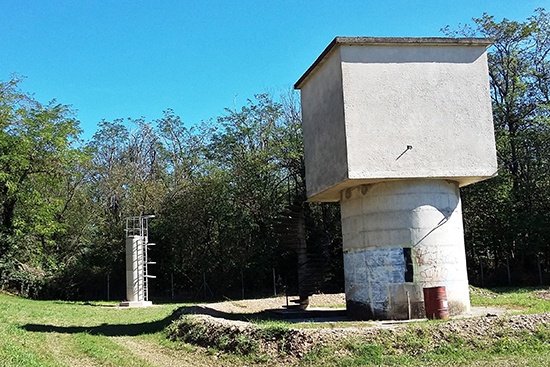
136,304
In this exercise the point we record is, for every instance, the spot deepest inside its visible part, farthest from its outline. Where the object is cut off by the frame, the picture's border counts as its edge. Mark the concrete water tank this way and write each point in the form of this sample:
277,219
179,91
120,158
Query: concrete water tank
393,127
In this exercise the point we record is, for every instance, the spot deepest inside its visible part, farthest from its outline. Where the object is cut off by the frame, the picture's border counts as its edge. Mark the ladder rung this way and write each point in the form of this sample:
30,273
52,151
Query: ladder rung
151,262
151,244
150,276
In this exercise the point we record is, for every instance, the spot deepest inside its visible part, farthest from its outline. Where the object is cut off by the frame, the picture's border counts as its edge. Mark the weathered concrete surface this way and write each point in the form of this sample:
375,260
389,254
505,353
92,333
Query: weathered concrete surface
386,108
379,222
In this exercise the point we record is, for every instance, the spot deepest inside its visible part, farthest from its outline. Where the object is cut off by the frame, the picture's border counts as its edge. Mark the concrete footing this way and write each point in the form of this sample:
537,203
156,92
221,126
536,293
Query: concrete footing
136,304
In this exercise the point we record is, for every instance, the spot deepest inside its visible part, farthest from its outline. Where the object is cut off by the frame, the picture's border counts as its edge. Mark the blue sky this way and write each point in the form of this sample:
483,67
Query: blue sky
118,59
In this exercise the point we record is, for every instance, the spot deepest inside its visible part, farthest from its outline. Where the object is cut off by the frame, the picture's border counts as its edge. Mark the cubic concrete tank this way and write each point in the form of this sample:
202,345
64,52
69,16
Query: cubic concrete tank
392,128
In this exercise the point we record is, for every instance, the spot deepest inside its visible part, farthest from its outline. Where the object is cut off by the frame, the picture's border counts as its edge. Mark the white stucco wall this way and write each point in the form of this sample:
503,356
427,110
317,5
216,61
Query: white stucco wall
323,127
430,95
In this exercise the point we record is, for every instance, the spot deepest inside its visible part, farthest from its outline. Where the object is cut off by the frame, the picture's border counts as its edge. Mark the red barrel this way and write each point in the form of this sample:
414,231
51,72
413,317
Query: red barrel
435,303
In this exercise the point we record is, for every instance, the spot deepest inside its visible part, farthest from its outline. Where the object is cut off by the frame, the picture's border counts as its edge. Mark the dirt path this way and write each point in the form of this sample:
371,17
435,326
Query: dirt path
61,347
258,305
155,354
160,356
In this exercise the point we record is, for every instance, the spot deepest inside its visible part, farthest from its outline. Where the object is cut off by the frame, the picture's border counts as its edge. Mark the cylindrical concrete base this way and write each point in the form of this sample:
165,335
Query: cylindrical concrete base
135,281
400,237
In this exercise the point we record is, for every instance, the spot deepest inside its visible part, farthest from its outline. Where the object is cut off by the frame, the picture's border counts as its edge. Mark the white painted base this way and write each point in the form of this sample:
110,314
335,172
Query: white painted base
379,222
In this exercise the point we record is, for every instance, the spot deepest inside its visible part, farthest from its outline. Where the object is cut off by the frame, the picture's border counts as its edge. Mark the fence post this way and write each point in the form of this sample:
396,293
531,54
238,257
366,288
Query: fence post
172,284
242,284
274,284
204,284
508,269
540,270
481,269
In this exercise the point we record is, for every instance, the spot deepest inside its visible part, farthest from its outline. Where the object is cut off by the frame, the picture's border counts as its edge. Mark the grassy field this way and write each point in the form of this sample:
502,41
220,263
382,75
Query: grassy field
55,333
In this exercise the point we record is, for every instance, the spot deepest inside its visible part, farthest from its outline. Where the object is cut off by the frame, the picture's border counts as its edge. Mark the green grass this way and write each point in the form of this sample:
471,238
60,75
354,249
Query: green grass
416,349
415,345
55,333
104,351
523,299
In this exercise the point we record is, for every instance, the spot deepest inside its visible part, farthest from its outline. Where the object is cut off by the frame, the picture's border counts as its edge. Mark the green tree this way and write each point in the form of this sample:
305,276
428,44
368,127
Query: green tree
38,155
124,178
232,179
507,218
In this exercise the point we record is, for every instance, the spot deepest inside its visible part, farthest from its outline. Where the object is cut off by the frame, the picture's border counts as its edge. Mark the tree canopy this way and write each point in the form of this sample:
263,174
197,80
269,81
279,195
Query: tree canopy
507,218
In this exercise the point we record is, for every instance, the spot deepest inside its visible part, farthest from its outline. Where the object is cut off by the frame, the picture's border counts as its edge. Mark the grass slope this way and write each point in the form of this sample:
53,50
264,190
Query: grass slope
415,346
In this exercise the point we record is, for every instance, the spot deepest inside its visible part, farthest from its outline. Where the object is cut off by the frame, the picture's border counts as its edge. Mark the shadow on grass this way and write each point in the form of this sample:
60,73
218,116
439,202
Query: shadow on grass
140,328
107,329
280,314
156,326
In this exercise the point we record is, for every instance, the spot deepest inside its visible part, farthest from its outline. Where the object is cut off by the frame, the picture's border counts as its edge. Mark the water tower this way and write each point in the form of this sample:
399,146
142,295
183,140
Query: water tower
393,127
137,262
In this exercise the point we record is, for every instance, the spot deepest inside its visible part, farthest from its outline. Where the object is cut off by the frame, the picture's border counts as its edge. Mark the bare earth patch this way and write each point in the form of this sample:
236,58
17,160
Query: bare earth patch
543,294
250,306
